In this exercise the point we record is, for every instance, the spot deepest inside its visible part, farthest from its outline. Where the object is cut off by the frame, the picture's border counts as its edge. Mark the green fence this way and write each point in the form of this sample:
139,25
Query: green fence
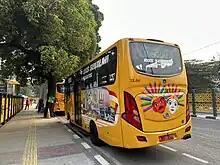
204,100
10,106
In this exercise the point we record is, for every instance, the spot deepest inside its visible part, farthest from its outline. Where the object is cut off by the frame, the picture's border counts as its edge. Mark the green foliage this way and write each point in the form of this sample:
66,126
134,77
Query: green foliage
52,58
47,37
27,91
201,74
99,17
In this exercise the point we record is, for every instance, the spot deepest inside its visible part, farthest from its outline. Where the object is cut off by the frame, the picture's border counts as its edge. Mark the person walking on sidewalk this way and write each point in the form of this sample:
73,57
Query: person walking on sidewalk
31,101
27,104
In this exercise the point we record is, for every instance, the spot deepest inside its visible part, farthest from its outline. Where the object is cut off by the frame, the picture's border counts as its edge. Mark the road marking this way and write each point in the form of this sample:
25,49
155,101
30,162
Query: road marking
195,158
69,130
76,136
169,148
85,145
101,160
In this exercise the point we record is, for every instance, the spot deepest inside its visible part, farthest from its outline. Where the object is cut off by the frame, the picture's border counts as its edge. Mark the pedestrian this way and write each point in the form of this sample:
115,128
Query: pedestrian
31,101
27,104
40,105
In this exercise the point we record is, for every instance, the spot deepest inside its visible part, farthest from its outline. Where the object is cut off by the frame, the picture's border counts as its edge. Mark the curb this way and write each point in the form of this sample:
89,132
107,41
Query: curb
210,117
193,115
206,117
3,124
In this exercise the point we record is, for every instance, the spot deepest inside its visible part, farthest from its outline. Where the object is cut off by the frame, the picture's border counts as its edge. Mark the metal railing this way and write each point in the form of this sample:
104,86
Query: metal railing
205,101
10,106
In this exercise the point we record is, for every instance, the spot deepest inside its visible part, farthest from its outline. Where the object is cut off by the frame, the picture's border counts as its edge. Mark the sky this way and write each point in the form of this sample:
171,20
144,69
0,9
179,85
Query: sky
192,24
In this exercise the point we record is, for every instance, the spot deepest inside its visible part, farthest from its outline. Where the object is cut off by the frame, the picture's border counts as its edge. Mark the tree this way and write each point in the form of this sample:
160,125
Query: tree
99,17
47,39
200,74
27,90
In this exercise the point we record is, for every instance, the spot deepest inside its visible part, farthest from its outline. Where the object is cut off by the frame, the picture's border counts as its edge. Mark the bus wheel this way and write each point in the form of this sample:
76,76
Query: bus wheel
94,137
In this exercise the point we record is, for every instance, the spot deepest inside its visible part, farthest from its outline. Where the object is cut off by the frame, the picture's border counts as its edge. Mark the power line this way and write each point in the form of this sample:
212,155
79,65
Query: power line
218,42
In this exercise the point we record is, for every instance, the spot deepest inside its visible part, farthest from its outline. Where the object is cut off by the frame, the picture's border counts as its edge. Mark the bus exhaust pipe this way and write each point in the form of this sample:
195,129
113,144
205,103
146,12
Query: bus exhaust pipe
188,136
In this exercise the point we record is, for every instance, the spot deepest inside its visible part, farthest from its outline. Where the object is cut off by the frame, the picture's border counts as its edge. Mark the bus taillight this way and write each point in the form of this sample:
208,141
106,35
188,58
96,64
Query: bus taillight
187,109
131,114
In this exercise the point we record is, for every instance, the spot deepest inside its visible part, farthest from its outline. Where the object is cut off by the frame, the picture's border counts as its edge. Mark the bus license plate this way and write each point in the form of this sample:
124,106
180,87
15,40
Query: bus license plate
166,137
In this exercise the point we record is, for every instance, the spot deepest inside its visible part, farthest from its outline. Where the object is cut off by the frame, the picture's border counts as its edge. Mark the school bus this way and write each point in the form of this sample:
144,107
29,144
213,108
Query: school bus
132,95
59,99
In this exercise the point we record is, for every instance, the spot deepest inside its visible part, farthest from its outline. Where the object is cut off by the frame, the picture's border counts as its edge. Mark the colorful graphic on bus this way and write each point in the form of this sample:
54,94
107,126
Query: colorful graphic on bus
162,97
100,103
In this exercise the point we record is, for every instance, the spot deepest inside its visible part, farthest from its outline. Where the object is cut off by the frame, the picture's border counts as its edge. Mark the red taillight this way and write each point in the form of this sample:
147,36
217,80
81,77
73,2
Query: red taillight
188,129
131,114
187,109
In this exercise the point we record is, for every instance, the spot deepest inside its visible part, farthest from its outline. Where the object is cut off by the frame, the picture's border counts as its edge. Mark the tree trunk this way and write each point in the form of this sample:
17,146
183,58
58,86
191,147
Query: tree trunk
51,93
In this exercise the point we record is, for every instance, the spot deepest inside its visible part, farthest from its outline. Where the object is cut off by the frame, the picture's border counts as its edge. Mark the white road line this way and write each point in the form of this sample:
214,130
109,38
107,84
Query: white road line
195,158
69,130
101,160
76,136
107,154
85,145
169,148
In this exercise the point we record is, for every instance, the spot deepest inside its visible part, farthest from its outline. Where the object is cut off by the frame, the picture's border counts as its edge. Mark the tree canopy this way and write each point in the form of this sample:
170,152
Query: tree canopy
203,74
40,39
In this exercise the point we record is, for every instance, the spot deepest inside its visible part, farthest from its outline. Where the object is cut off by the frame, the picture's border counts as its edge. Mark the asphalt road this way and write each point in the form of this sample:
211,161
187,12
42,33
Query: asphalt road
202,148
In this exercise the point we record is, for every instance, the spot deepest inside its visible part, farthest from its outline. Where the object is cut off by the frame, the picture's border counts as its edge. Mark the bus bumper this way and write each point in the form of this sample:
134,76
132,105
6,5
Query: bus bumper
134,138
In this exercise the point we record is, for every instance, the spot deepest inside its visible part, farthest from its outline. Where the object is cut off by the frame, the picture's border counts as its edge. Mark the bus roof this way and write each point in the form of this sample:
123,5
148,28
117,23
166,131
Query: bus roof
151,40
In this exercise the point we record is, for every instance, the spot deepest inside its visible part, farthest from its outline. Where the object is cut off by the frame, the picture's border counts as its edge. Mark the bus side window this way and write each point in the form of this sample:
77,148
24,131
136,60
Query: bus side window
103,75
87,83
72,88
95,78
67,91
107,72
112,65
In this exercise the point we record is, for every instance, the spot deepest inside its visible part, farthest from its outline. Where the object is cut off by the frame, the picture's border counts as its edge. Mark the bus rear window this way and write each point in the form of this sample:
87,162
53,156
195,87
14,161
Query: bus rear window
155,59
60,88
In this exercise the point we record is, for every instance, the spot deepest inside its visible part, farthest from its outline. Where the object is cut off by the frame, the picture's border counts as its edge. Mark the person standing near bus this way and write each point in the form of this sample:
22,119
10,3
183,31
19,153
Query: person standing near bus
27,104
40,105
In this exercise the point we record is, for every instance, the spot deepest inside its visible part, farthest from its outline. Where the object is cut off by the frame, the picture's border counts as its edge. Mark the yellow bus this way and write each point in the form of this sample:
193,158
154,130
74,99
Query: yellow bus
59,99
132,95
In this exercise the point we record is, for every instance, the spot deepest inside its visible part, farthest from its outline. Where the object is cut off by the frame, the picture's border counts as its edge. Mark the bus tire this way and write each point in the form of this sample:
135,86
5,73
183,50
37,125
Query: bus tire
94,137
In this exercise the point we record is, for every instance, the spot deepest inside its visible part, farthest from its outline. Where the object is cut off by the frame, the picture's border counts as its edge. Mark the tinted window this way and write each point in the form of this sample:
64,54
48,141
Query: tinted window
155,59
100,72
60,88
67,92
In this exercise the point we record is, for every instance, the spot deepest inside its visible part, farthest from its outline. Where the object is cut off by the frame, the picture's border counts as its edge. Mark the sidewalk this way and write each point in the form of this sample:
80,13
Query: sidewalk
29,139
